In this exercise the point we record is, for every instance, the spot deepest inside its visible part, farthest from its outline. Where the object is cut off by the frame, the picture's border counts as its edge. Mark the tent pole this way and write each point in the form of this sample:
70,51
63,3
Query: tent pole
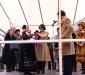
23,12
60,40
11,24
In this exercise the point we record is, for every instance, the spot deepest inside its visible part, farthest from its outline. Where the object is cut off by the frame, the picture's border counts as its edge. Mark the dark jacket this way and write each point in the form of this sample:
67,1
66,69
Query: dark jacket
28,48
6,49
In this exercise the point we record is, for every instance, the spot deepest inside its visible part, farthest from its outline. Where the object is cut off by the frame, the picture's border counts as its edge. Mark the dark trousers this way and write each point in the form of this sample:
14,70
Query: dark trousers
68,64
1,63
75,65
10,61
52,63
21,61
83,67
41,65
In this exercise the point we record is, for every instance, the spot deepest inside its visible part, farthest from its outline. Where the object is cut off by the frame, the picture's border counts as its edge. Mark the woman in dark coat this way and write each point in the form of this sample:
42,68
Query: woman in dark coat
28,50
8,57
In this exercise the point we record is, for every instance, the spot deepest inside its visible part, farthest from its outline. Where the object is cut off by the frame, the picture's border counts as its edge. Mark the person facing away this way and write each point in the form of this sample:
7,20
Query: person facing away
67,47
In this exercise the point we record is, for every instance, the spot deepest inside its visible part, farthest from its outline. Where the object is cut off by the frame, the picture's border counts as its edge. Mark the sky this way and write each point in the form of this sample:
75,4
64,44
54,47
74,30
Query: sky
49,10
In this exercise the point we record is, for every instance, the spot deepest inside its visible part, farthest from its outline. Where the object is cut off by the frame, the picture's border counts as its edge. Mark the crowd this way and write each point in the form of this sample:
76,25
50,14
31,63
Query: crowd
28,57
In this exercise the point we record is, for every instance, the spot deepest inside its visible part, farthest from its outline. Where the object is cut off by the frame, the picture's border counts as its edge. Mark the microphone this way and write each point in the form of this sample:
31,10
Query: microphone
54,21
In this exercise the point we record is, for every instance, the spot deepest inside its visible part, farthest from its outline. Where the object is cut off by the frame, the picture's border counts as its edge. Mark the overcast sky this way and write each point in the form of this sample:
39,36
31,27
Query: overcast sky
49,12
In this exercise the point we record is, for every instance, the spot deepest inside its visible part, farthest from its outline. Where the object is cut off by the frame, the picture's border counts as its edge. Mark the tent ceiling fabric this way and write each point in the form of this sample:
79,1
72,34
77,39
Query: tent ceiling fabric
31,9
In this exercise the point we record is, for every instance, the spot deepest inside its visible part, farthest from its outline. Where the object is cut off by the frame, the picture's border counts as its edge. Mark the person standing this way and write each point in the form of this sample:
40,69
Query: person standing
80,49
17,48
28,50
42,50
67,47
8,52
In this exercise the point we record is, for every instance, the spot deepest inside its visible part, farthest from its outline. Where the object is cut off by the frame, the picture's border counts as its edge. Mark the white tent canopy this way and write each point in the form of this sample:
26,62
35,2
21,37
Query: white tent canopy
31,10
34,12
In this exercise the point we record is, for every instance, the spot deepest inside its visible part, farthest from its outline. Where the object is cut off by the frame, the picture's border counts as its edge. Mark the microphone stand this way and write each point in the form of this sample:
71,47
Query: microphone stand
53,26
53,44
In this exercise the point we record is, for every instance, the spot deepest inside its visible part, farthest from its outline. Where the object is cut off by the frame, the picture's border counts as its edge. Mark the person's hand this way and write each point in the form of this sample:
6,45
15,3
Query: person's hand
29,31
62,37
80,44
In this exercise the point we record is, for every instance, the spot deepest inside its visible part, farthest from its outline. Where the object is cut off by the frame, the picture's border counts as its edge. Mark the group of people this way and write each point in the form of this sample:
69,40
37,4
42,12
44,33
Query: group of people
29,57
73,52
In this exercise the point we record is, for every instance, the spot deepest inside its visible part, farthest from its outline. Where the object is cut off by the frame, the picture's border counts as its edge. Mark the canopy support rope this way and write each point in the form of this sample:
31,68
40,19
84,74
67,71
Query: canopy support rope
75,12
2,31
40,11
2,35
23,12
11,24
79,21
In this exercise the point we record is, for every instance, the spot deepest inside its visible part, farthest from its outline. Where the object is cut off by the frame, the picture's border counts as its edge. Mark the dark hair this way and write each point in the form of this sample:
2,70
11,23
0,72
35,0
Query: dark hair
17,30
42,26
24,27
82,23
36,31
62,13
58,28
